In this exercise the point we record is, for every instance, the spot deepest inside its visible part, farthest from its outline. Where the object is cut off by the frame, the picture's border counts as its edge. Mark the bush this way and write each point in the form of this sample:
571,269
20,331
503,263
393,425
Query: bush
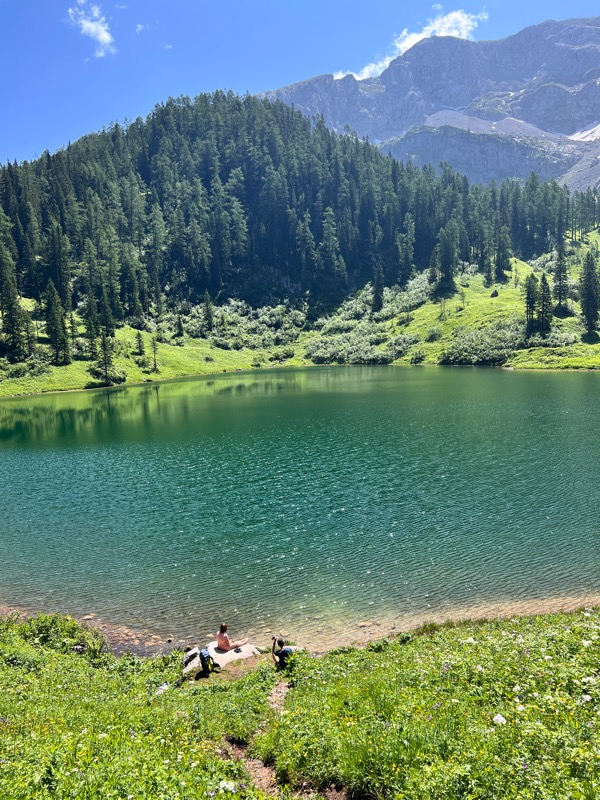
485,347
434,333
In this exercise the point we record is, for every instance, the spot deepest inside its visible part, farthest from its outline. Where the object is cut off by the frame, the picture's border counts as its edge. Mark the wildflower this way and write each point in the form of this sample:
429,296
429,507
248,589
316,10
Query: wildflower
586,642
520,708
516,689
227,786
499,719
585,698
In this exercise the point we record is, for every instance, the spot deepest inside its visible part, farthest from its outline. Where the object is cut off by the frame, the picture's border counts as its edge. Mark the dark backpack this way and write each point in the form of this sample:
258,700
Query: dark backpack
208,664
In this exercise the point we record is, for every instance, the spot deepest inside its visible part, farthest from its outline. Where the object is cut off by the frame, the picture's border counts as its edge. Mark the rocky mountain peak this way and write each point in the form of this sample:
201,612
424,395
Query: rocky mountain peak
545,78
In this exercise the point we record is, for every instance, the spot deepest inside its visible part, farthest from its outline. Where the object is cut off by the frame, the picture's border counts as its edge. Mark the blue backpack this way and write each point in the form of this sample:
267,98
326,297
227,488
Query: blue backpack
208,664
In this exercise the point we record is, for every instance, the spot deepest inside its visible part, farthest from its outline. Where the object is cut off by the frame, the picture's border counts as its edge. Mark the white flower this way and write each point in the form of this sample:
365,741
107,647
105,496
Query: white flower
227,786
586,642
520,708
516,689
499,719
585,698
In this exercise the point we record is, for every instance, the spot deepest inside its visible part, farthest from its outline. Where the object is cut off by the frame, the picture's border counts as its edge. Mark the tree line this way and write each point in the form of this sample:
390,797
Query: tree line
226,196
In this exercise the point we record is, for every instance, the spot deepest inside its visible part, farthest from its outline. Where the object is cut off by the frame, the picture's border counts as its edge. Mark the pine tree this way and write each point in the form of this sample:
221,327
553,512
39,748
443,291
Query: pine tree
531,302
503,254
12,314
139,340
208,312
544,307
154,354
56,329
377,301
561,277
106,360
589,293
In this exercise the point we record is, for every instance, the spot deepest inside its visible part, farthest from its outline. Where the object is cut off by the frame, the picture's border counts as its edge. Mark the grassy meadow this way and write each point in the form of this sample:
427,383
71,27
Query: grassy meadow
498,709
476,323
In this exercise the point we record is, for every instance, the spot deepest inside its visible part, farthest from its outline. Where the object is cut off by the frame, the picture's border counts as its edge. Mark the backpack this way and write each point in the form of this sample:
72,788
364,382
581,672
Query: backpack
208,664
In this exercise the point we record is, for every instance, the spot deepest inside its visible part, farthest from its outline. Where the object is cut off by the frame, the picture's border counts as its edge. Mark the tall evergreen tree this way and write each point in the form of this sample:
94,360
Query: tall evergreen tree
377,302
56,329
589,292
503,254
12,314
561,277
531,302
544,306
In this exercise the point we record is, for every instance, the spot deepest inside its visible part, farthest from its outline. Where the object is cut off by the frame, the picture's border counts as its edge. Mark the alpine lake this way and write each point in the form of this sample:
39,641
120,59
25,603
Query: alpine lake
328,504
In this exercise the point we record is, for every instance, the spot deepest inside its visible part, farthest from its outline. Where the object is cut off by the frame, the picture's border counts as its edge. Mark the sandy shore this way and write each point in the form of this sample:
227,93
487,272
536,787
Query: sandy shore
143,642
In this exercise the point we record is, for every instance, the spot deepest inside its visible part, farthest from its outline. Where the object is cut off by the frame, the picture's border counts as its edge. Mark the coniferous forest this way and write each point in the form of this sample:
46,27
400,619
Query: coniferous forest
234,197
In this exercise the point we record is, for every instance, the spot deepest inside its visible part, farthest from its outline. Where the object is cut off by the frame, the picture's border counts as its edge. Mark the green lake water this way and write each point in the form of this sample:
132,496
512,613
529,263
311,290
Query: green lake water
304,501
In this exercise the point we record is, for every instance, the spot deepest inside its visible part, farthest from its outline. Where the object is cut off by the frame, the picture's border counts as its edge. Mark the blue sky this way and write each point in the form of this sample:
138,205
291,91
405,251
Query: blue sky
73,66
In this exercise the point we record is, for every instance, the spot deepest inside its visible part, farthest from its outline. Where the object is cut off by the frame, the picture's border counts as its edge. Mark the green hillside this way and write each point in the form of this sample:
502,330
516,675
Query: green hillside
502,709
245,231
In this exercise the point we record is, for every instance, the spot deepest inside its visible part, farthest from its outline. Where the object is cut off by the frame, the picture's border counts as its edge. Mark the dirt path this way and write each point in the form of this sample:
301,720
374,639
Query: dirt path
263,776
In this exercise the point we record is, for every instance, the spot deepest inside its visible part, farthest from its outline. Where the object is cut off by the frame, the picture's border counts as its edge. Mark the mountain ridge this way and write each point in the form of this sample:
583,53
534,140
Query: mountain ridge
538,90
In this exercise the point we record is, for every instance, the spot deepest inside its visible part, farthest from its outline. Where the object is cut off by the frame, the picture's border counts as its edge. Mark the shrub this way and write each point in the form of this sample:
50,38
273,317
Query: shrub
486,347
434,333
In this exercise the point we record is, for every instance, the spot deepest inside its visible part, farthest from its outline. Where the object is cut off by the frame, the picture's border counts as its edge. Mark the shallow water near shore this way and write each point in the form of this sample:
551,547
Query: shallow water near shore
330,504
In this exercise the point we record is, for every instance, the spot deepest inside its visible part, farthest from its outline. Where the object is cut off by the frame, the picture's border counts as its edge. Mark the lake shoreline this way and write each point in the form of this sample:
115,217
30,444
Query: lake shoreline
276,367
141,642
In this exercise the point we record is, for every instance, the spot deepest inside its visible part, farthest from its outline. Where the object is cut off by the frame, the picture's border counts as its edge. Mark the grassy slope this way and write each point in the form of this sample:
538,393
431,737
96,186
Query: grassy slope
471,306
505,709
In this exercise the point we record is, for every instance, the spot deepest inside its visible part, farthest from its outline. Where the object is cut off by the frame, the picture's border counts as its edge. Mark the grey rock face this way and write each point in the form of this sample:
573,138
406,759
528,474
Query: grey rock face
491,109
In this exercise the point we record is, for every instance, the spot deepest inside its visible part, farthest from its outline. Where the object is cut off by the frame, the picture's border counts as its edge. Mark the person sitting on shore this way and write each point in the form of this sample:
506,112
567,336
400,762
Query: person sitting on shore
282,655
224,642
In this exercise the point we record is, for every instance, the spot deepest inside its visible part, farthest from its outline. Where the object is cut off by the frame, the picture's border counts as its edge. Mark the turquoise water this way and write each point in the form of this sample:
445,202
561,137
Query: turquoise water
303,501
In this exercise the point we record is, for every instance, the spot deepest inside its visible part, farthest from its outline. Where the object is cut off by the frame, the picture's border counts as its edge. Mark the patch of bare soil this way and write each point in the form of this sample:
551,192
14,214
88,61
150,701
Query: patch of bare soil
277,696
263,776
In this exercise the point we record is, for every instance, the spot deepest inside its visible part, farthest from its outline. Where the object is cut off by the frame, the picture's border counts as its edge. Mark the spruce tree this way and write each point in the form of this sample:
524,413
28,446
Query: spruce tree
561,277
503,254
531,302
589,293
377,301
12,314
209,321
56,329
544,307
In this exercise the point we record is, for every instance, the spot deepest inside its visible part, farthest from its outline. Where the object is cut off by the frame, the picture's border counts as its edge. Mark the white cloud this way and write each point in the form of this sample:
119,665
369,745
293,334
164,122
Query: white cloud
139,28
168,47
90,21
456,23
437,7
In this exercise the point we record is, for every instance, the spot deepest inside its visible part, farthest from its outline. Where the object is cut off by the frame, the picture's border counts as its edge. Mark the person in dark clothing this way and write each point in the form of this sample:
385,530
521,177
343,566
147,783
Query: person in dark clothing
282,654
